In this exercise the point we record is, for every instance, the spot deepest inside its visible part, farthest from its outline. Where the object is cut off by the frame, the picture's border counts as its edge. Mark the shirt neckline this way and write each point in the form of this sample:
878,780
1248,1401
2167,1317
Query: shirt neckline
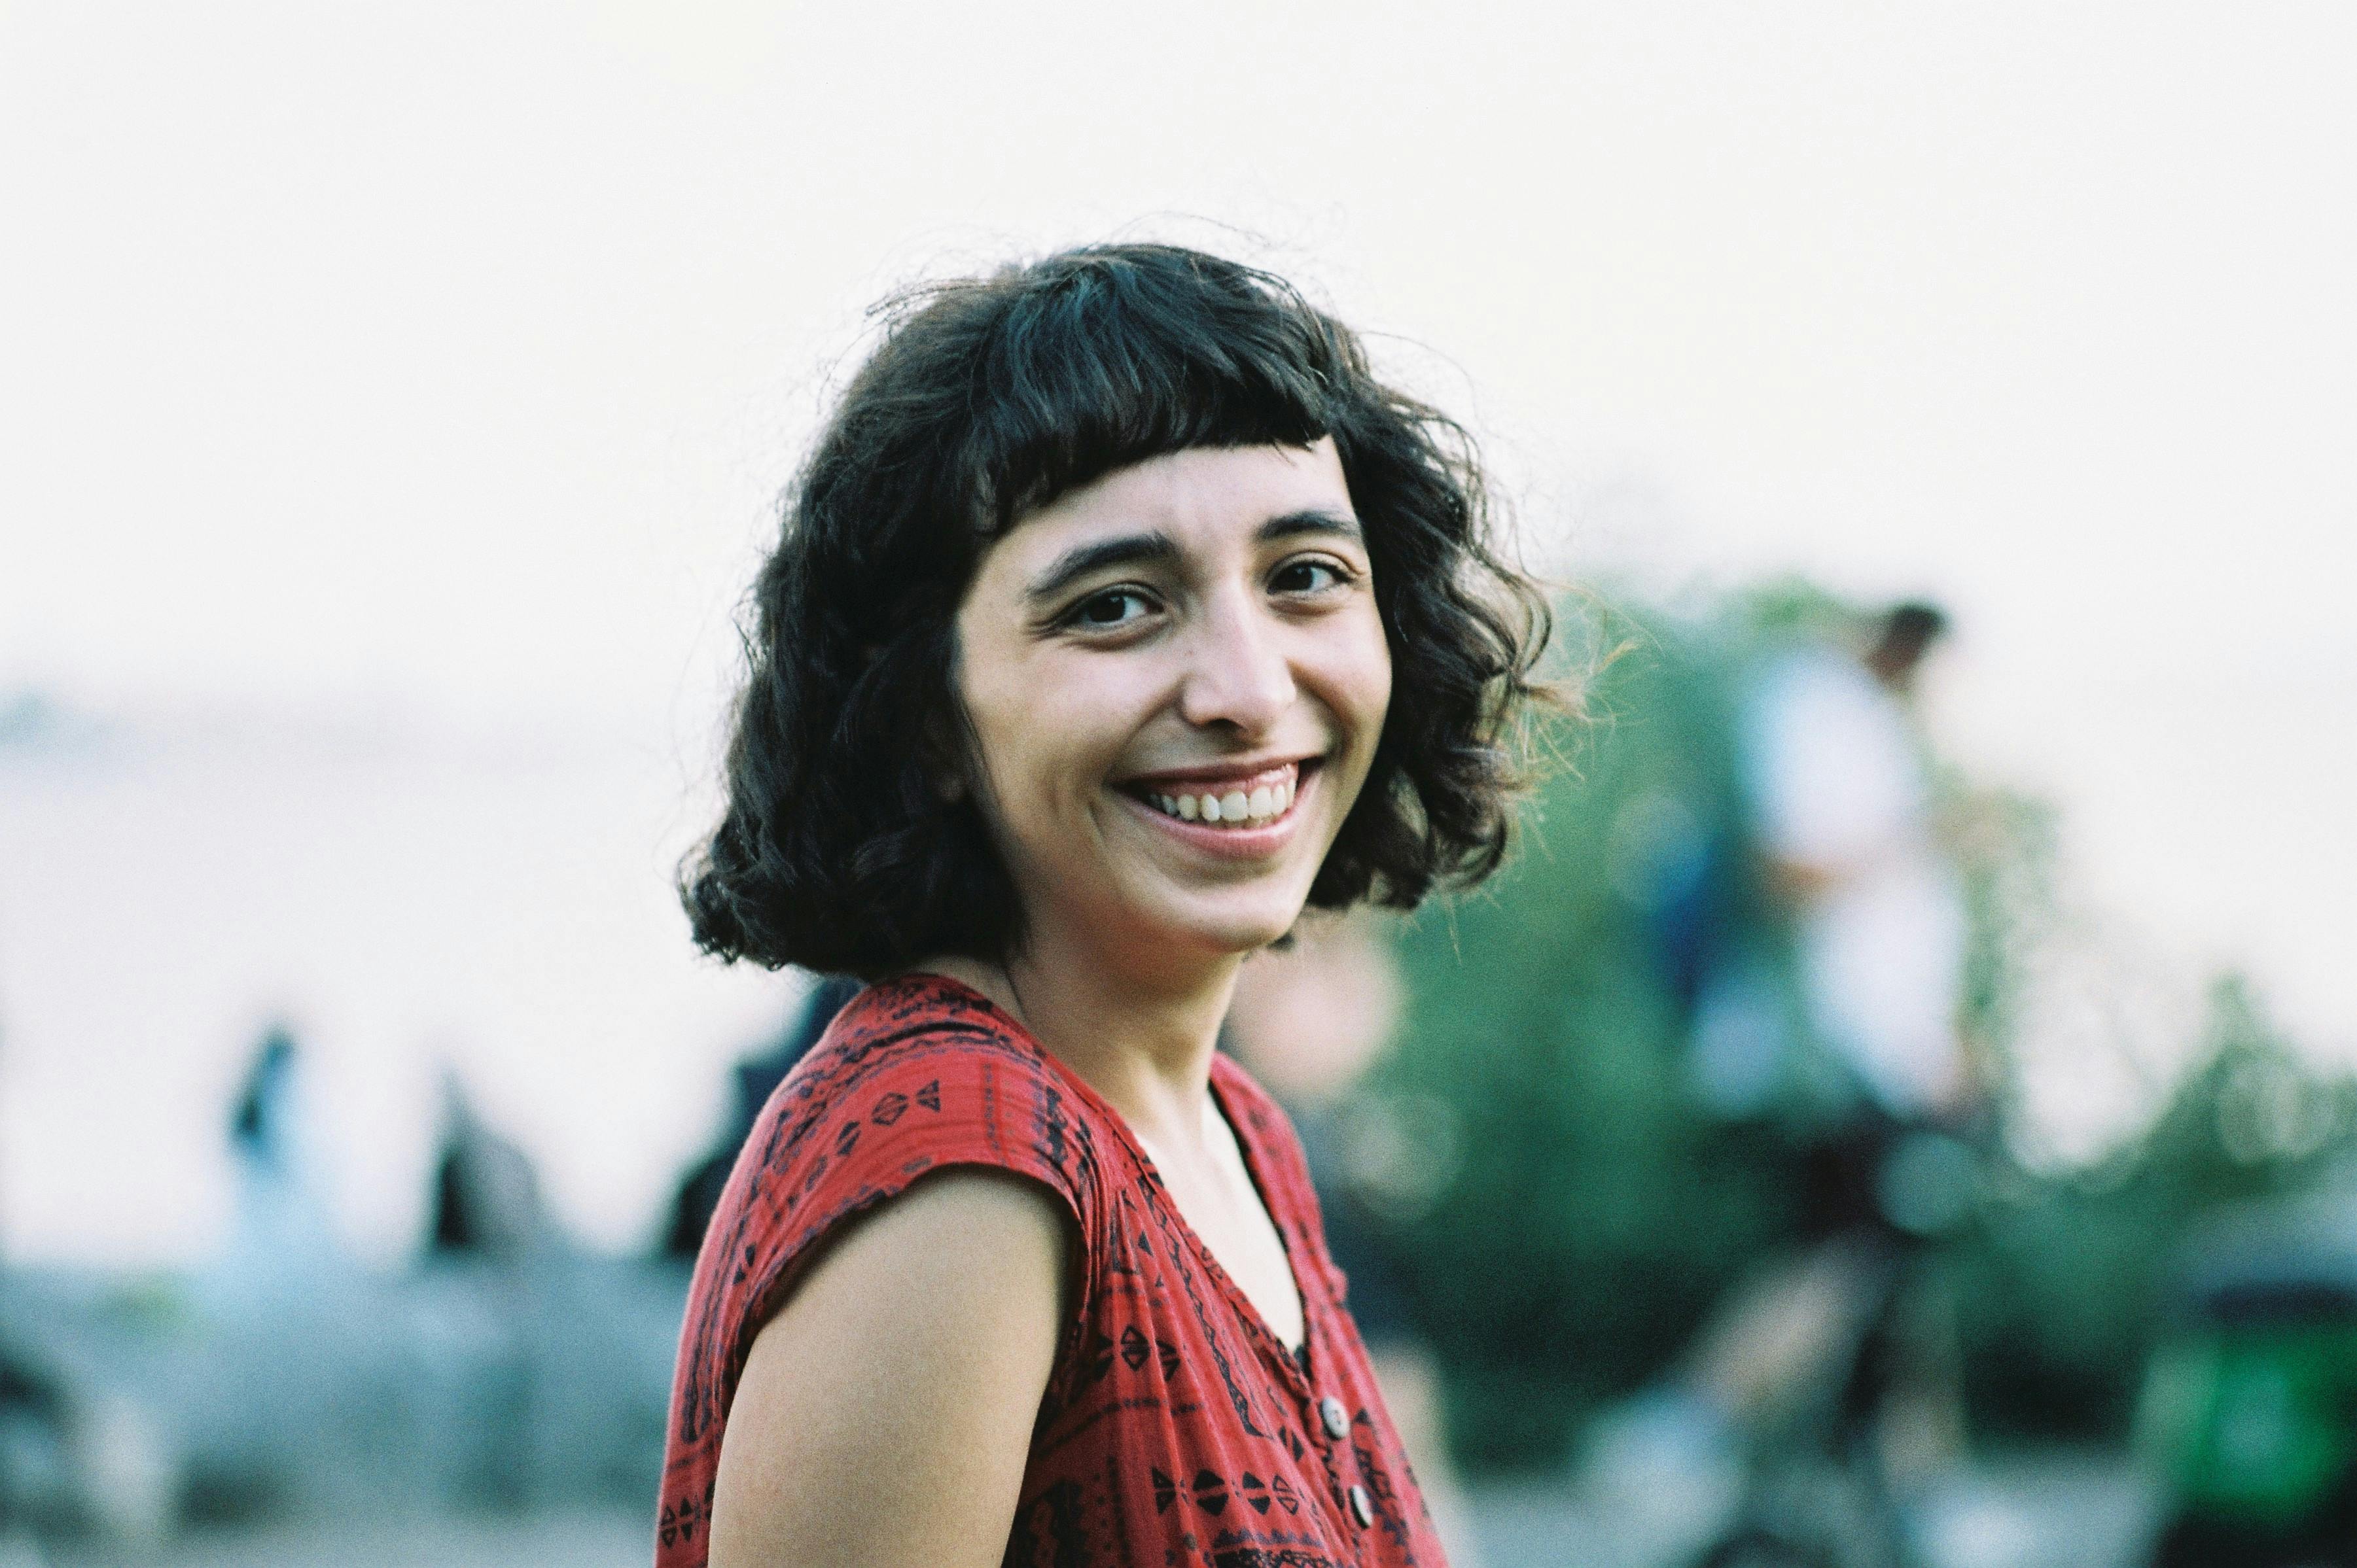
1299,1366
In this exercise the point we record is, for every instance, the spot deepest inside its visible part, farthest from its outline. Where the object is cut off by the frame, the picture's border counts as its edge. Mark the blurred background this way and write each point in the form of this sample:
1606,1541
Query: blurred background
1898,1108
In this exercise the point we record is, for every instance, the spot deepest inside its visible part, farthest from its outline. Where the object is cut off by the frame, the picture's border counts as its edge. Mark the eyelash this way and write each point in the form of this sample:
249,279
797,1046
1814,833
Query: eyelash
1077,617
1078,614
1343,575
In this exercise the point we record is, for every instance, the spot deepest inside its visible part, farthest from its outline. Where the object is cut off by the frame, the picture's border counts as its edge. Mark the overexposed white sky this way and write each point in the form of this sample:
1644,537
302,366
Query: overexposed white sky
449,355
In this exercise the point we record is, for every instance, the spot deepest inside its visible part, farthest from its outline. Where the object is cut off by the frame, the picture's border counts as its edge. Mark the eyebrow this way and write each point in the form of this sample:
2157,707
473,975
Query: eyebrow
1160,549
1156,549
1294,523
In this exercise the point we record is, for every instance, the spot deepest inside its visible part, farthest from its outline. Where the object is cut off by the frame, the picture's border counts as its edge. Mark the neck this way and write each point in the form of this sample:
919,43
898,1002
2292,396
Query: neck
1143,1040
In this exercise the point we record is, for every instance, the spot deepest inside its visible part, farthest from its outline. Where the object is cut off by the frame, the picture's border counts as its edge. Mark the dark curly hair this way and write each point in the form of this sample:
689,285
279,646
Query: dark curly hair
986,399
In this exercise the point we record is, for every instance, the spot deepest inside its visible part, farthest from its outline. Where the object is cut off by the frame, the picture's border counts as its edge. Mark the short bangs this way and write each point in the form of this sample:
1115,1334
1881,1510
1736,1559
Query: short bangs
1105,365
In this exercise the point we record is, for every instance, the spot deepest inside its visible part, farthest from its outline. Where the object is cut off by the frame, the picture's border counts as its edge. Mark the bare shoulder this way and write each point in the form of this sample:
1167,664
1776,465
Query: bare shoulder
885,1411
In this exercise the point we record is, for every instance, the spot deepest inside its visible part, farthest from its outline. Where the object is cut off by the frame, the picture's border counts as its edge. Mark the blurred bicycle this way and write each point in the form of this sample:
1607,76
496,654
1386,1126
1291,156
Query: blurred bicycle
1821,1402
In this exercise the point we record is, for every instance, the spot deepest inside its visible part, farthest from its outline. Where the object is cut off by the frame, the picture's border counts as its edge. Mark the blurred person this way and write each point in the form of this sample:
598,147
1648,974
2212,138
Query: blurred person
1121,613
1839,784
1839,780
1860,900
1846,1339
756,1079
1308,1015
284,1241
486,1197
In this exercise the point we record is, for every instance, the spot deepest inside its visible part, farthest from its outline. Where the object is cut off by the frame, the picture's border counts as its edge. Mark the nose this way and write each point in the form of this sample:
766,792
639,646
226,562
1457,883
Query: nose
1237,672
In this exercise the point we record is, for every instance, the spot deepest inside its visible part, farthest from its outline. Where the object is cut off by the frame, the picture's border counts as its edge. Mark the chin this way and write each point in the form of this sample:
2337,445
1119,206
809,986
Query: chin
1234,930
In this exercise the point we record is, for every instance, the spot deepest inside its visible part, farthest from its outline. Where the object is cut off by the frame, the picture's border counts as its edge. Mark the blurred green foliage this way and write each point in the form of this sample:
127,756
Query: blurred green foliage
1581,1213
1564,1207
2061,1288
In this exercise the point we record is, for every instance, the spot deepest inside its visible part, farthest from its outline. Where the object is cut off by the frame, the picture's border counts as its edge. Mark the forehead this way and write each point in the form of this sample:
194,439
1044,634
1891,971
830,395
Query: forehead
1200,497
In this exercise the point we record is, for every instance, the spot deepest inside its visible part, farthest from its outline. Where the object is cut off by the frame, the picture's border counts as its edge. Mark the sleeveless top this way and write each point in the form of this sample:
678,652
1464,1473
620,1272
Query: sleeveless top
1176,1427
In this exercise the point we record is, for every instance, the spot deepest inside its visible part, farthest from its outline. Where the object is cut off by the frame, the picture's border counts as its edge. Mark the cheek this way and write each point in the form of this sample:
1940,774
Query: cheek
1370,683
1050,734
995,723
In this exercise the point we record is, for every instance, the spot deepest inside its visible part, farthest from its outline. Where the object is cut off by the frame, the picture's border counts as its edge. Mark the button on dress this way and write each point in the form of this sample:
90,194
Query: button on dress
1176,1427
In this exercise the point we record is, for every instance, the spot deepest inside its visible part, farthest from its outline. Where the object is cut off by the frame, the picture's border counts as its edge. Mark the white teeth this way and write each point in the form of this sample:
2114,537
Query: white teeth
1263,802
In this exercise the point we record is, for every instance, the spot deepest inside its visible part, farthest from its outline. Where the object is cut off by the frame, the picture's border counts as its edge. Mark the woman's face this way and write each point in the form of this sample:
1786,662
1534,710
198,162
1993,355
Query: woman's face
1176,679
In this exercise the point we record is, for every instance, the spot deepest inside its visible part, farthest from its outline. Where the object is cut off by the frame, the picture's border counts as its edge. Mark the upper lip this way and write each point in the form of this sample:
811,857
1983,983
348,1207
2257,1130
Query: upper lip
1234,770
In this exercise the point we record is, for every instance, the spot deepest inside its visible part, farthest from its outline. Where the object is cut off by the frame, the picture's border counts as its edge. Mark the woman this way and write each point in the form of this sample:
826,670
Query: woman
1119,613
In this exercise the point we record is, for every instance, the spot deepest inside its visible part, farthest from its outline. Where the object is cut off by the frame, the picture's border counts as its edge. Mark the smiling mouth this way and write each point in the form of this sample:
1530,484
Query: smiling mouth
1236,804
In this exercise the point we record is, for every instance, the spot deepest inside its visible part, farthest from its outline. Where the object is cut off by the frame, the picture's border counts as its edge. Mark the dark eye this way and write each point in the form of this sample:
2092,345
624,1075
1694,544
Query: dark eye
1306,577
1114,607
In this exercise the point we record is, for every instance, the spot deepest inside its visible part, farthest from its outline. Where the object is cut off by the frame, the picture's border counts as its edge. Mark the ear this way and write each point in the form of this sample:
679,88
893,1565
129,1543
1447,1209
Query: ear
945,760
949,757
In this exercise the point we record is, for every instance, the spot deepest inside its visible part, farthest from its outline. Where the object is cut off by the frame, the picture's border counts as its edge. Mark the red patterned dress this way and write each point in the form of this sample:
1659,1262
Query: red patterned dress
1175,1429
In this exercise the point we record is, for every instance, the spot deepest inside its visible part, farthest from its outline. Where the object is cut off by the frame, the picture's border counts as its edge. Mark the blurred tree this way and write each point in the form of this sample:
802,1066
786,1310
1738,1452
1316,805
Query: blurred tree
1563,1208
1565,1191
2060,1290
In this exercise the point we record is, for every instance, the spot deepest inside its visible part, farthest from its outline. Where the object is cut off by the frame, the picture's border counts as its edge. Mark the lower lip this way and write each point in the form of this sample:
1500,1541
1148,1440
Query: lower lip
1254,843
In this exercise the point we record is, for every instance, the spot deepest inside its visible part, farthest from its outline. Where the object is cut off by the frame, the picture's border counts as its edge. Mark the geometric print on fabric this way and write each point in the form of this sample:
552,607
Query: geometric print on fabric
1175,1428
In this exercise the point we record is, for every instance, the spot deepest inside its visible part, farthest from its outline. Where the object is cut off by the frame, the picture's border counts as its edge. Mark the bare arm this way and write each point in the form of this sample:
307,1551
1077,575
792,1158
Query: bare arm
885,1412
